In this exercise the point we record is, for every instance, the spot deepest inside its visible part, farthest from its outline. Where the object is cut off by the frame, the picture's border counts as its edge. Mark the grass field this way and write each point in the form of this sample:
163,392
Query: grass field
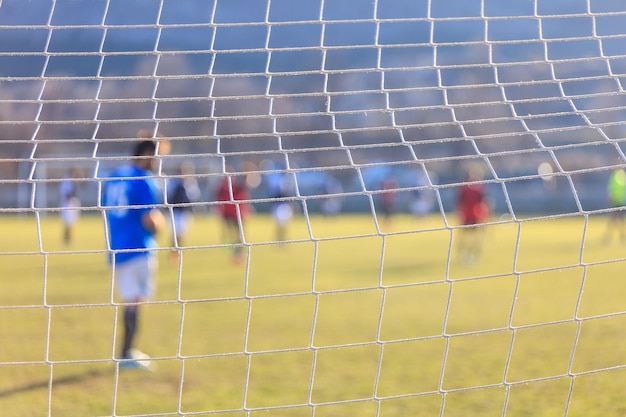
340,321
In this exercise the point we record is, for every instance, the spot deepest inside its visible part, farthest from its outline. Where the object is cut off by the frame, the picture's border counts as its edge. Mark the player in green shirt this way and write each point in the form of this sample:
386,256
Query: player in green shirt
616,192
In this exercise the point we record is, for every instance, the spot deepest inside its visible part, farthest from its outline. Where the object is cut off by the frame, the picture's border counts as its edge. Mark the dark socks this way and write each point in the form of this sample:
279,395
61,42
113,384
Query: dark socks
130,329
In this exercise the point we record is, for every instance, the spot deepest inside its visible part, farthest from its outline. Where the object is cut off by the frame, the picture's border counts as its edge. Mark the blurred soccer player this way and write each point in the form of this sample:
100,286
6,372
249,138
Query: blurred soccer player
472,210
422,200
182,191
389,198
233,211
70,203
331,206
616,194
282,210
133,218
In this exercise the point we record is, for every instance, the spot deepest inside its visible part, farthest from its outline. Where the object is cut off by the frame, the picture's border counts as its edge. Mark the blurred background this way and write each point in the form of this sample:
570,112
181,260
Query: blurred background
340,95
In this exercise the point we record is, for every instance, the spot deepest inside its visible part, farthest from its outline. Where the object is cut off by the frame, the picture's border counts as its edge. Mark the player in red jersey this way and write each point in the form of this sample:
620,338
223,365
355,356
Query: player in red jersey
472,210
232,193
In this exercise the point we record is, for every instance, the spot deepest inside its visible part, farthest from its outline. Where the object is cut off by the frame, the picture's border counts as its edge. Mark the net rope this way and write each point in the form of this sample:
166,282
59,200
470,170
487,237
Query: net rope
430,86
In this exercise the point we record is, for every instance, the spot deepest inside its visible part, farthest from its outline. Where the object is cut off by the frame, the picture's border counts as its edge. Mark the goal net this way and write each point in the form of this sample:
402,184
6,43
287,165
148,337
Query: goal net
431,218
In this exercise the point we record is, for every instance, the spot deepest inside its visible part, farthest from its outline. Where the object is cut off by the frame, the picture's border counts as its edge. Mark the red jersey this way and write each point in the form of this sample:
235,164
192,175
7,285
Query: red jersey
471,204
239,192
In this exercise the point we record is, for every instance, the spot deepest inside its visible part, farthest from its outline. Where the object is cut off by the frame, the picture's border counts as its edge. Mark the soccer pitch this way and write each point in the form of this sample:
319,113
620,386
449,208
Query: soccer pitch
344,319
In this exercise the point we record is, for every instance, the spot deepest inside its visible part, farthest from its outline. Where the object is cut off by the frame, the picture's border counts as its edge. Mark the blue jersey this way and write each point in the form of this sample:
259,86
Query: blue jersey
134,193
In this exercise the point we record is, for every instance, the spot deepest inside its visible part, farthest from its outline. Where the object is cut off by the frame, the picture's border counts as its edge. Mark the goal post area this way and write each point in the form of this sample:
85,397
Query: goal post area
433,222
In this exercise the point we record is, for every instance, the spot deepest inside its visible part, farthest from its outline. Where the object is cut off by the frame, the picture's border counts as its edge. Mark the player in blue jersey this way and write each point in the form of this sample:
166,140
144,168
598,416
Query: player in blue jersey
131,197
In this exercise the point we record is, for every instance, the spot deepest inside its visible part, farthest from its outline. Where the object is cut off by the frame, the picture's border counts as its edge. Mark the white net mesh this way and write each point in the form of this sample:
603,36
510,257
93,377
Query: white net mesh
355,296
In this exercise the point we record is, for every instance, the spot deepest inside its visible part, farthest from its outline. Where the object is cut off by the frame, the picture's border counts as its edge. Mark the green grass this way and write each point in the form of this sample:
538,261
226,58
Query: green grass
340,318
